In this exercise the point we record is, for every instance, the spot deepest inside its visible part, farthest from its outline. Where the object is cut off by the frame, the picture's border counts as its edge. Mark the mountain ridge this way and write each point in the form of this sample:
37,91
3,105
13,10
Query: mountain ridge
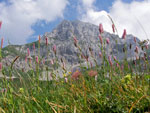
62,36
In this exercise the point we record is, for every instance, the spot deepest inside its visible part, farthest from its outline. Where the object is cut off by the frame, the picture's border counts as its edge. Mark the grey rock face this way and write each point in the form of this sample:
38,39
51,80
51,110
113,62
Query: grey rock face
88,36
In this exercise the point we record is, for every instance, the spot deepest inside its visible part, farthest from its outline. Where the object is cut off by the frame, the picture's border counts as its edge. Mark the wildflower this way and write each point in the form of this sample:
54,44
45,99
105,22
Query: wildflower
101,30
28,51
66,80
0,24
64,75
46,40
137,57
100,38
136,49
117,65
122,67
34,47
124,34
3,90
113,28
92,73
110,61
75,41
1,66
146,46
76,75
21,90
107,40
100,54
2,43
39,39
37,60
135,39
52,62
115,58
64,65
87,58
26,59
54,49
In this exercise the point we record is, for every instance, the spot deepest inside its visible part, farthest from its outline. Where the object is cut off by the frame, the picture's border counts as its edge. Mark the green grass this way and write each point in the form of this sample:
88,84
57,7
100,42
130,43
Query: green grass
112,90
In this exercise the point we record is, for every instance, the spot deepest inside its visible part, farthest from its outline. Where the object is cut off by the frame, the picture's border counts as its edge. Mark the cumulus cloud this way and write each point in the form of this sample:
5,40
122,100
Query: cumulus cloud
88,3
132,16
19,16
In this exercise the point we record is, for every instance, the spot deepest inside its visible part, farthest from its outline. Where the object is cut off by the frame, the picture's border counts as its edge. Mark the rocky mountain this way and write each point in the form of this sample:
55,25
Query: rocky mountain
62,36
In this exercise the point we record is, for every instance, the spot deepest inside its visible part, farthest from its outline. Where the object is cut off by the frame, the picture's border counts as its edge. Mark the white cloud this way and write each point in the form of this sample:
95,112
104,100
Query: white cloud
19,16
134,17
88,3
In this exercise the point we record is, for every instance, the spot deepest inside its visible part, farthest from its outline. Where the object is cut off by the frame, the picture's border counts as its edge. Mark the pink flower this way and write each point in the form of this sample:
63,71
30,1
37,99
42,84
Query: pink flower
117,65
0,24
26,59
75,40
2,42
110,61
37,60
137,49
113,28
101,30
100,38
66,80
1,66
135,39
34,46
122,67
54,49
52,62
100,54
124,34
46,40
92,73
107,40
115,58
146,46
28,51
76,75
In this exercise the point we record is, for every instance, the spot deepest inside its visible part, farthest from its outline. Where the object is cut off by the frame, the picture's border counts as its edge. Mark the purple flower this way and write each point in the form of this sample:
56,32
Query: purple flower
1,66
46,41
113,28
28,50
124,34
100,38
37,60
107,40
137,49
101,30
54,49
110,61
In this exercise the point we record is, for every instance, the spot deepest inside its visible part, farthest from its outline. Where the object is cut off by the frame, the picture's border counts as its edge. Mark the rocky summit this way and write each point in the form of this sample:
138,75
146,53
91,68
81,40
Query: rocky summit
62,36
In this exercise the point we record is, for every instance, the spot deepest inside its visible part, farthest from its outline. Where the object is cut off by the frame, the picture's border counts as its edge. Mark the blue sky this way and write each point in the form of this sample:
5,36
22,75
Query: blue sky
24,20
